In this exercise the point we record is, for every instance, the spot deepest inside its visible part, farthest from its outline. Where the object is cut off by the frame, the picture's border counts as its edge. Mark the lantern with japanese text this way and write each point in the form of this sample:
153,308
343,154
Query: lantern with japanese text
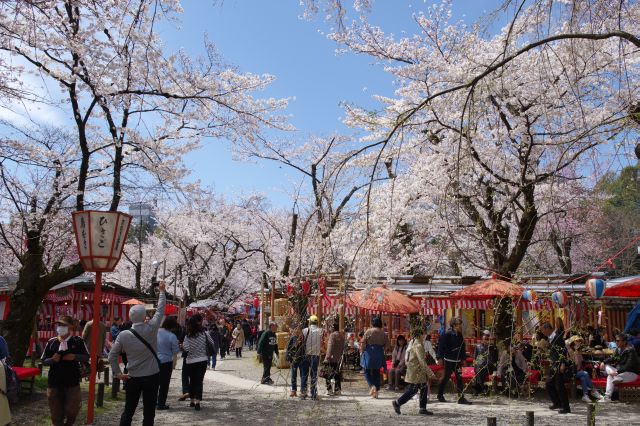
306,287
595,287
100,238
560,298
530,296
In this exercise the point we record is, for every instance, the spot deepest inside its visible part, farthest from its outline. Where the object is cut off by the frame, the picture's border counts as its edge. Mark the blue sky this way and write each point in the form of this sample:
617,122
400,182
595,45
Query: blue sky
268,36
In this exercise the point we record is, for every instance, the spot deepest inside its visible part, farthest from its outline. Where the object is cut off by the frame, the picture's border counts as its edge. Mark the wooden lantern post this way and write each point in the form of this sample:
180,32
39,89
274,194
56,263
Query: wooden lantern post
100,237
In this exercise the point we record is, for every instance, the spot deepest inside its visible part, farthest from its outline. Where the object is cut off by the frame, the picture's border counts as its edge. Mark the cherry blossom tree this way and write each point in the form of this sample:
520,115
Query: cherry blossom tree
133,109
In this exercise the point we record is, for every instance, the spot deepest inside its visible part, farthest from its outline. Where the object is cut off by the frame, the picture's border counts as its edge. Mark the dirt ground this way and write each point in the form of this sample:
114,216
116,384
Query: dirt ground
233,396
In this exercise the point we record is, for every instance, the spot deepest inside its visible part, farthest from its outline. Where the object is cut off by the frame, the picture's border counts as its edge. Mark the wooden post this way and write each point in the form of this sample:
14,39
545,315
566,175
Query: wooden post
115,388
591,415
107,380
273,298
93,353
100,398
262,302
492,421
530,418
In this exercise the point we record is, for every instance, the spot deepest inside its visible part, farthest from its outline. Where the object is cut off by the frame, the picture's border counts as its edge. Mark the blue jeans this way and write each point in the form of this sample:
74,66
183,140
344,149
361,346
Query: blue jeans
585,382
372,376
309,365
213,360
294,376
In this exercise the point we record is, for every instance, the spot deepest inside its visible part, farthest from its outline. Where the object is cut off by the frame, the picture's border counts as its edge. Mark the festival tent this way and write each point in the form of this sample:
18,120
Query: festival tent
383,300
633,320
629,289
489,289
133,302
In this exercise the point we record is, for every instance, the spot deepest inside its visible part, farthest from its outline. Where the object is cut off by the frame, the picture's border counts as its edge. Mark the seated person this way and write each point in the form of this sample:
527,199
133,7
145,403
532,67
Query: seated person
484,362
512,368
627,370
398,365
581,374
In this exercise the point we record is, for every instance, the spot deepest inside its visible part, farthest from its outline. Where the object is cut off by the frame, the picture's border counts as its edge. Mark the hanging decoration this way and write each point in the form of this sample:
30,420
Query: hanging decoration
530,296
256,302
560,298
595,287
322,285
306,287
290,290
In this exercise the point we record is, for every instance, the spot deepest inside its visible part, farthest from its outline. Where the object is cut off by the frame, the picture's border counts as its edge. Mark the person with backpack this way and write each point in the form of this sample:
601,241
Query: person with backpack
295,355
63,354
267,348
141,345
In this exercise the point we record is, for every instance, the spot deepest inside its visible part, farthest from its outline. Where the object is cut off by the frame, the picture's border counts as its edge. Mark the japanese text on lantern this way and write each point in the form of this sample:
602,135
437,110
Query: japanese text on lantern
83,232
103,232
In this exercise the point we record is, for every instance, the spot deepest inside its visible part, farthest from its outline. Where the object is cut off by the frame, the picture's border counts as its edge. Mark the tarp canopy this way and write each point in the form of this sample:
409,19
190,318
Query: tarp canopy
633,319
383,299
489,289
629,289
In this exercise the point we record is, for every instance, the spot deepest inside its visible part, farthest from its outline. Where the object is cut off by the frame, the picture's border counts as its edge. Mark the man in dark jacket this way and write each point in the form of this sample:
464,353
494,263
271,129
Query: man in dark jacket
451,354
627,369
559,367
485,358
63,355
267,346
246,329
223,331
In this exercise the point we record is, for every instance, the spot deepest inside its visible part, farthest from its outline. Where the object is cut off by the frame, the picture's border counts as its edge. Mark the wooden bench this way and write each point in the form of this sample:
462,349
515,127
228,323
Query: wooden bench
28,375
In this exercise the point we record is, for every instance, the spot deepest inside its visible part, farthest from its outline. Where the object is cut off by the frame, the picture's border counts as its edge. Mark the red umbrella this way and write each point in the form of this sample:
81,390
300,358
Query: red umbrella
383,299
629,289
171,309
488,289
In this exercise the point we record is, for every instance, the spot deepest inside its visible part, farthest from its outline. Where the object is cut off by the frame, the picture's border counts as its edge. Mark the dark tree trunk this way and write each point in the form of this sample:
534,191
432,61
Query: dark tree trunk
31,289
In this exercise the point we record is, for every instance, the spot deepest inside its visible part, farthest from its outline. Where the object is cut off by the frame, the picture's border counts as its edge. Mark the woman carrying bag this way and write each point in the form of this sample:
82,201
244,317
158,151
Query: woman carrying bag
199,346
418,374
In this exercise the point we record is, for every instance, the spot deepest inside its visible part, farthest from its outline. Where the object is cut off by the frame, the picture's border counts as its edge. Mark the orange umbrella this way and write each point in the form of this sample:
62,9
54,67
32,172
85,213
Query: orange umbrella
383,299
132,302
488,289
629,289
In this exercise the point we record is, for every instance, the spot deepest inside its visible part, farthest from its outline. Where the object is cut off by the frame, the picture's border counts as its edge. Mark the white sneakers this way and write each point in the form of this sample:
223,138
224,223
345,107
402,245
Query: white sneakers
596,394
586,399
605,399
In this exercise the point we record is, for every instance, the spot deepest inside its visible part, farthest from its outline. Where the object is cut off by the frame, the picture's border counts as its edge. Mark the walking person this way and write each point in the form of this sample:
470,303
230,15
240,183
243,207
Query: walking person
246,329
214,335
398,366
451,354
295,356
333,359
267,348
309,368
195,343
253,335
372,348
418,373
223,331
63,355
168,350
559,366
141,345
238,338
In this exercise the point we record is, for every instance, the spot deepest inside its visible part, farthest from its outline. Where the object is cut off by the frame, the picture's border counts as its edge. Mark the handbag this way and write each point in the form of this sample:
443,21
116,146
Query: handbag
325,371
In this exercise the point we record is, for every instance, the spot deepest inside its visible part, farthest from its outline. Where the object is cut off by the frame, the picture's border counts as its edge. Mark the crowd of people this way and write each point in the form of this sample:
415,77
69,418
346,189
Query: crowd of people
148,349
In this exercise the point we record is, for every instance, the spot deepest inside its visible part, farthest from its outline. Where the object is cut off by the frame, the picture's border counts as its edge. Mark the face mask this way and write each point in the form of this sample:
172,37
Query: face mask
62,330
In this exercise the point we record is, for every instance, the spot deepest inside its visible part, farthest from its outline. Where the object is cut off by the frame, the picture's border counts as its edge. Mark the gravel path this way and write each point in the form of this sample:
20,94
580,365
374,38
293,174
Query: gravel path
233,396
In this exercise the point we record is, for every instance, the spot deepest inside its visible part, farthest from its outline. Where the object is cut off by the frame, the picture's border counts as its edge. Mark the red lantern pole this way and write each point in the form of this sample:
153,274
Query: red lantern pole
97,299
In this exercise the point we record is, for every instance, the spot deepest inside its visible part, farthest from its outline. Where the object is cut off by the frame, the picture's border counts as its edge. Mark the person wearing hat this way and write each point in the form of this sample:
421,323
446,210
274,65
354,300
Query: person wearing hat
63,354
485,359
309,367
626,370
143,376
267,348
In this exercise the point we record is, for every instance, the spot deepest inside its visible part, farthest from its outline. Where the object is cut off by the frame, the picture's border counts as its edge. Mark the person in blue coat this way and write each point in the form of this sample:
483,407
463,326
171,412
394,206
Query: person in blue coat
451,354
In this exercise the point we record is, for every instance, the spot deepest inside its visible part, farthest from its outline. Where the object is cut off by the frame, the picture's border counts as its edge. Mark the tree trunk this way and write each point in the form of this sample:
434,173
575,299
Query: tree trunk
139,276
31,289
